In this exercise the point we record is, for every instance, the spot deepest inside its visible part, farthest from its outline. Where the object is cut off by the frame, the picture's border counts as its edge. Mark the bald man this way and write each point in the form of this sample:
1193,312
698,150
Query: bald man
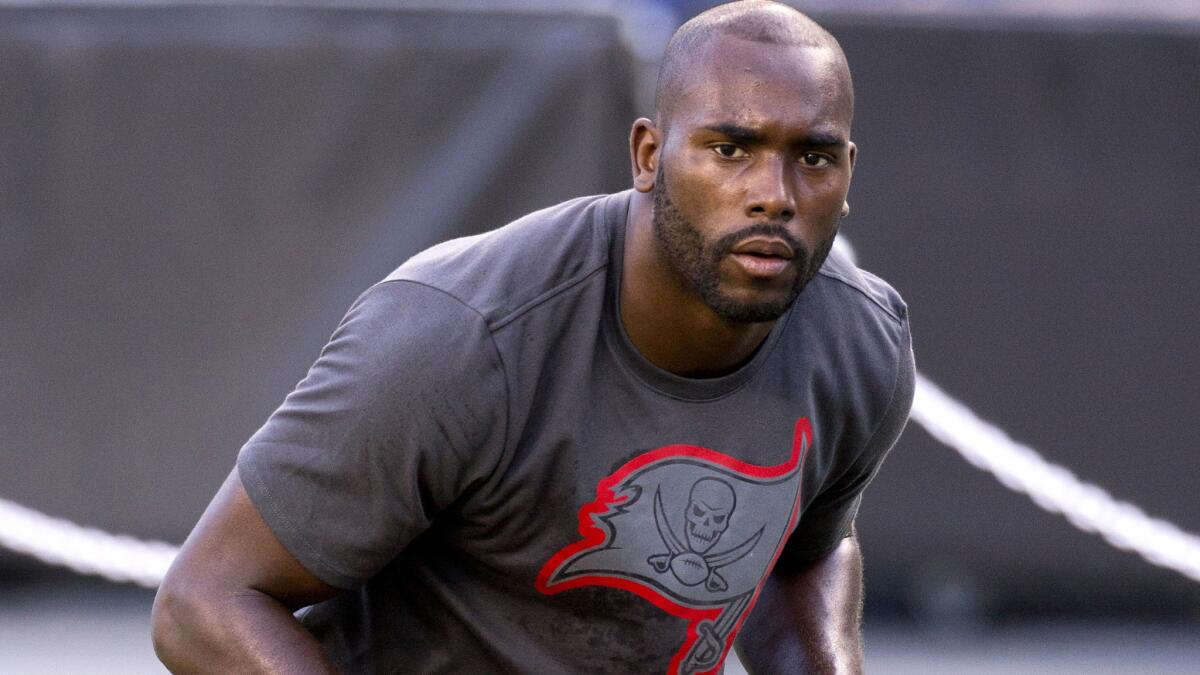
624,434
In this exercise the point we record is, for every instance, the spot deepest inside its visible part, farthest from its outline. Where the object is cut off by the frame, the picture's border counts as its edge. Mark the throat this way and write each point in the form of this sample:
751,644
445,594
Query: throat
688,339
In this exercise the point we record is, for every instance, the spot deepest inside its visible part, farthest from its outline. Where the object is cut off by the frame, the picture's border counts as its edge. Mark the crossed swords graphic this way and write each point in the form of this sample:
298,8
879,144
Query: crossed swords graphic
709,564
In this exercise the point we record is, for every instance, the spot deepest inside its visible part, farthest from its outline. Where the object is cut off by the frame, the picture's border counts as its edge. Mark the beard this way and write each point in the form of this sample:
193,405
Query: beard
698,261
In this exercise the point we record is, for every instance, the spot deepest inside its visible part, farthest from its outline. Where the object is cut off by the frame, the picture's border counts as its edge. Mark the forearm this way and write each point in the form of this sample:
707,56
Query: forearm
242,632
226,604
809,620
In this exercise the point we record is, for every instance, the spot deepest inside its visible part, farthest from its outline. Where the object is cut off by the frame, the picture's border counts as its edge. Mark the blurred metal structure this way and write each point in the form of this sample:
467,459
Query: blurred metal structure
991,10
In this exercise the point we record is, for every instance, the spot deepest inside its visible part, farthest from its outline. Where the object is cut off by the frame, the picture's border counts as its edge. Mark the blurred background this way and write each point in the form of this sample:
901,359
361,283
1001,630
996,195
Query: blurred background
192,193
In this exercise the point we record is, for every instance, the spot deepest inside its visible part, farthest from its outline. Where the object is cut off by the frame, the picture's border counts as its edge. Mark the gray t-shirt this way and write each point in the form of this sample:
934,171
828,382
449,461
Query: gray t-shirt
502,483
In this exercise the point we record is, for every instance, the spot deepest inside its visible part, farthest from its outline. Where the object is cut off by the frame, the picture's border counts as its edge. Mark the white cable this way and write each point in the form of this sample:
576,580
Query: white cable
1052,487
121,558
86,550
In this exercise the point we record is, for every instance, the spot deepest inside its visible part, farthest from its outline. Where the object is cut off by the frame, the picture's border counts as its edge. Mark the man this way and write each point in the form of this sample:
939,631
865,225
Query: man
595,439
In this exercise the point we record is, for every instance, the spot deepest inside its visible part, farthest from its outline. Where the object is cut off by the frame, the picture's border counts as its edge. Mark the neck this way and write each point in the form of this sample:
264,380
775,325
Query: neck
666,320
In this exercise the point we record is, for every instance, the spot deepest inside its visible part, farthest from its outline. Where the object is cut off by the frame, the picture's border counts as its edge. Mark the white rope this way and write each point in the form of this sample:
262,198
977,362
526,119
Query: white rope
125,559
86,550
1052,487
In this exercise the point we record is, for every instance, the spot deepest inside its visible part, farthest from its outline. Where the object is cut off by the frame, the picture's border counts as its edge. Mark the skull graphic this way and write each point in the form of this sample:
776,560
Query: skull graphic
710,505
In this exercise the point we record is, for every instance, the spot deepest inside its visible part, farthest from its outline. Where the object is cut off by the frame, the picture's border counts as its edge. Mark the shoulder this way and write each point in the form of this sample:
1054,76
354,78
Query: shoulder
874,295
859,336
859,313
498,273
401,328
862,324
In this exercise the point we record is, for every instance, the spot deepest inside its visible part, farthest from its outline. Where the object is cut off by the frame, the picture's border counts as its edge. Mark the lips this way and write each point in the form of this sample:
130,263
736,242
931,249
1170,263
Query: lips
763,258
764,247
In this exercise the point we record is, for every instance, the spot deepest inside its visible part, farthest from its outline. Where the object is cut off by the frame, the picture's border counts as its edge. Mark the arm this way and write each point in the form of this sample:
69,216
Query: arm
226,603
807,619
405,408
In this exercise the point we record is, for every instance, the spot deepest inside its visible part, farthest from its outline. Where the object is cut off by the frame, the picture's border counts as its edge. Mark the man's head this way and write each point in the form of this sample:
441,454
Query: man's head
749,157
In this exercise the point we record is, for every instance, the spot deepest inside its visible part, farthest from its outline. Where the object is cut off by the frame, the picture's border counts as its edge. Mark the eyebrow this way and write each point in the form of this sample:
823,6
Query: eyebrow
737,132
749,136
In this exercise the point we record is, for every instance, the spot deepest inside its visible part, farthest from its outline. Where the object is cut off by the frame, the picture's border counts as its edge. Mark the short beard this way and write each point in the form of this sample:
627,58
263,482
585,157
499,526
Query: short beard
699,262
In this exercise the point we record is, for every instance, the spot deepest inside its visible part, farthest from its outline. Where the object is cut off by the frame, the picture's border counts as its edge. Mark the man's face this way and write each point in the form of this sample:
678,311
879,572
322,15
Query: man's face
753,174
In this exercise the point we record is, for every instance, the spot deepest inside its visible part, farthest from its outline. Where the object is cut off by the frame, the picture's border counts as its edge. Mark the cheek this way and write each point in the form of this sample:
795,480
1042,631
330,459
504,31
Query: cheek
831,187
695,203
823,201
699,181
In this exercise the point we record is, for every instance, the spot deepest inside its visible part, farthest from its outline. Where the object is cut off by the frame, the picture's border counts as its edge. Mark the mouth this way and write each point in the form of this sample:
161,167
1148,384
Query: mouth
763,257
764,247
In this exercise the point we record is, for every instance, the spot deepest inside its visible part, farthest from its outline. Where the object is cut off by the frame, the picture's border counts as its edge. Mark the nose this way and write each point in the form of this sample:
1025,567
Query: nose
771,195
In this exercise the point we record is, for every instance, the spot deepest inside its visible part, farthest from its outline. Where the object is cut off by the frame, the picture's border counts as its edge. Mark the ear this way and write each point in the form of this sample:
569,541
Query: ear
645,143
852,153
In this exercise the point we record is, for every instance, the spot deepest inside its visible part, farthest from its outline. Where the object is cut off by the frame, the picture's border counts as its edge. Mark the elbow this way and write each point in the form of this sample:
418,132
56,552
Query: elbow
173,625
166,629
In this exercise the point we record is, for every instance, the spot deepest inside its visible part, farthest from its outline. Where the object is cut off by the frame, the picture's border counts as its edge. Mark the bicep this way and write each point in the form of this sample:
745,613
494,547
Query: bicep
233,550
807,617
822,587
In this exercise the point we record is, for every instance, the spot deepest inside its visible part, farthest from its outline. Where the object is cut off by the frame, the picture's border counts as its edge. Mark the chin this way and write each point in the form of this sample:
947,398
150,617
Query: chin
745,310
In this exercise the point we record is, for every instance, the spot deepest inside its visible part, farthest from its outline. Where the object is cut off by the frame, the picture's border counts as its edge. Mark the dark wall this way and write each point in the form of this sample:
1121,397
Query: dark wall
1033,190
191,197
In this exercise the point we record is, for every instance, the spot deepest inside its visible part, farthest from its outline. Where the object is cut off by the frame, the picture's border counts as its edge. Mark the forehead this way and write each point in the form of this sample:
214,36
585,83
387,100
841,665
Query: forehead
764,85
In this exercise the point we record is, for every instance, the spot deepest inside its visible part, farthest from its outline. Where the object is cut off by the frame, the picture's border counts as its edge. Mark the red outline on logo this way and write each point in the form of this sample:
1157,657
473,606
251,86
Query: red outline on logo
606,499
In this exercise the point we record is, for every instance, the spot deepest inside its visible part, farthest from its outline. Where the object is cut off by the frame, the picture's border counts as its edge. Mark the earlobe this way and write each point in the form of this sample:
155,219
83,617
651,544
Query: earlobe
853,154
644,146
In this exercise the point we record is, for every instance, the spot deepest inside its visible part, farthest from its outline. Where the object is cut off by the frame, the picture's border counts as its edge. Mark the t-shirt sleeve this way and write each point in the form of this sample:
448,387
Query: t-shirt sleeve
830,516
404,409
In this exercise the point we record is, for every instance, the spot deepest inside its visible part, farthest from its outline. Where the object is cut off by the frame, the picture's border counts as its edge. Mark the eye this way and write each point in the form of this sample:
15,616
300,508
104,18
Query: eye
729,151
814,160
696,510
719,519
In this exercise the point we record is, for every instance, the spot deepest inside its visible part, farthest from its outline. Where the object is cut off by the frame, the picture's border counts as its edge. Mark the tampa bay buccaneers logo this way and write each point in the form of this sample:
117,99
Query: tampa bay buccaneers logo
693,531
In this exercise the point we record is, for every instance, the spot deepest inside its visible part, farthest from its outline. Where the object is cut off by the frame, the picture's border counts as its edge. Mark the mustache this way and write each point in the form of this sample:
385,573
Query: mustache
722,246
